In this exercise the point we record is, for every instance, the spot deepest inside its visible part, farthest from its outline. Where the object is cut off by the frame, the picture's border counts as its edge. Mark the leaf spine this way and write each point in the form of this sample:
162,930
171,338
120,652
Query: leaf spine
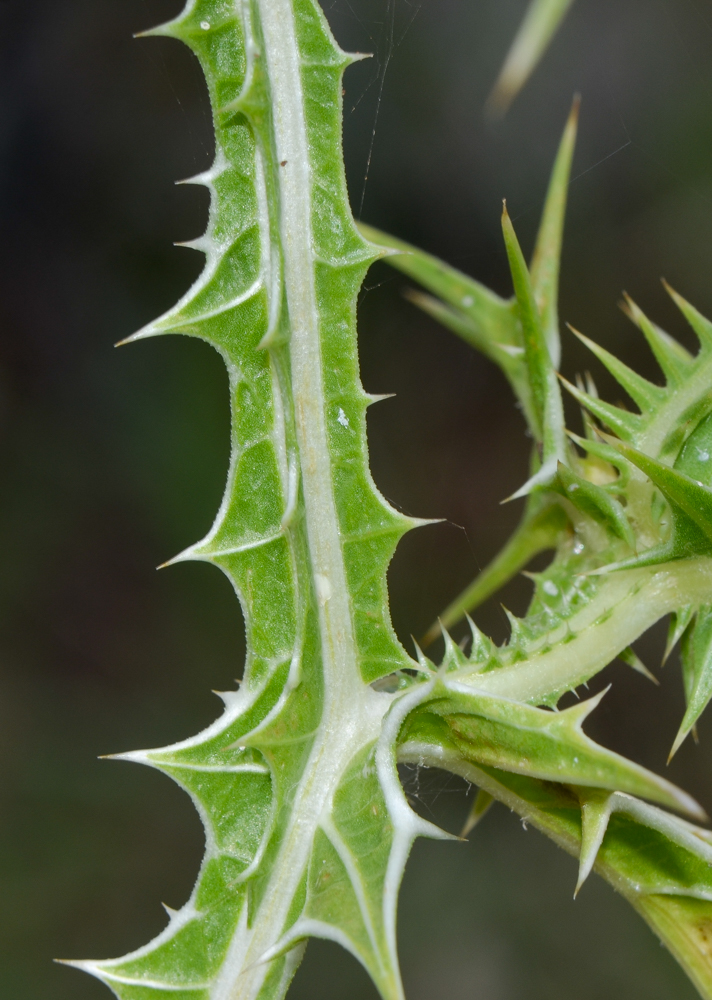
643,393
699,323
626,425
673,359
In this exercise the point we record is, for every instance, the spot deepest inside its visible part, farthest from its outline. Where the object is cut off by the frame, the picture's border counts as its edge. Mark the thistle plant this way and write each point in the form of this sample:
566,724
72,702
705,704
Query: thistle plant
307,827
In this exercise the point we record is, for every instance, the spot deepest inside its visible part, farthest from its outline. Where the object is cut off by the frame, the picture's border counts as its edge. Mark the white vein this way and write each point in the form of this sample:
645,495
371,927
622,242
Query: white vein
153,984
352,870
406,824
220,768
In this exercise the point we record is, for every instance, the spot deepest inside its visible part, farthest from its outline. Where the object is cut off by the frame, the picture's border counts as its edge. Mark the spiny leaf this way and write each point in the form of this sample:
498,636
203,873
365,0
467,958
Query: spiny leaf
699,323
579,622
644,394
540,24
550,746
626,425
660,863
542,375
546,262
307,828
672,357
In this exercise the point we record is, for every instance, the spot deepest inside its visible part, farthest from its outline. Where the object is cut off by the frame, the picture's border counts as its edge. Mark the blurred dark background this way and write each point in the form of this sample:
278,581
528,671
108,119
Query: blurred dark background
113,461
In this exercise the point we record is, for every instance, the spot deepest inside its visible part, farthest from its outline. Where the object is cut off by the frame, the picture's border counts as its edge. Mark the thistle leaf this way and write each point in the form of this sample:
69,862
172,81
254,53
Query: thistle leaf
546,397
541,22
546,262
542,375
307,827
583,615
626,425
674,360
646,396
550,746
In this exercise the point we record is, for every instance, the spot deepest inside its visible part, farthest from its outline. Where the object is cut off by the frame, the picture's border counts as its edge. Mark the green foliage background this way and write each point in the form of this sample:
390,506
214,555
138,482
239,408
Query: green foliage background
113,462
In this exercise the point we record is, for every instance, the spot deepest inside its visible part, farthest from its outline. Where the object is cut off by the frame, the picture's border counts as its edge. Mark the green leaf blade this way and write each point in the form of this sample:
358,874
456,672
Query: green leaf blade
303,535
626,425
546,261
550,746
645,395
542,375
672,357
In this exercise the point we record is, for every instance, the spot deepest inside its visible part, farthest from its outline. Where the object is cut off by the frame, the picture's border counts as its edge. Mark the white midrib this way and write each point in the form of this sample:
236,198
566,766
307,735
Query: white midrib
628,612
352,712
